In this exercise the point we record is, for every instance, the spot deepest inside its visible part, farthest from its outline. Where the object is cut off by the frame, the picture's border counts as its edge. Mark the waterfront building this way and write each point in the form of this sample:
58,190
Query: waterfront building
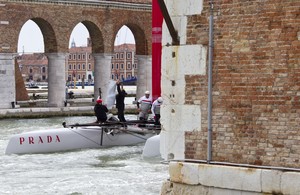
80,63
33,67
124,62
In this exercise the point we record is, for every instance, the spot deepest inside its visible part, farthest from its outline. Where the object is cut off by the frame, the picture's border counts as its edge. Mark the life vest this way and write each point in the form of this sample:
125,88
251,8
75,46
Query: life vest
145,103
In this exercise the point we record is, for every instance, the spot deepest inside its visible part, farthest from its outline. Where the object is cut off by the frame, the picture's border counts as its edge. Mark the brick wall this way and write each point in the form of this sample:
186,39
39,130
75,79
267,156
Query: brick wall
57,22
256,83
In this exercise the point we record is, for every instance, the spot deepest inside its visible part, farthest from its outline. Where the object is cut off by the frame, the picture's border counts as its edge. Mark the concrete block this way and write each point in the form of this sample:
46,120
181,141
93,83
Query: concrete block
189,172
271,181
175,171
187,7
235,178
290,183
180,24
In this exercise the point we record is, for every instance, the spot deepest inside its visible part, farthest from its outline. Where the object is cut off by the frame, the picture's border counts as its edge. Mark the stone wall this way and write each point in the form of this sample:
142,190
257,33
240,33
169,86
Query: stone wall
196,178
256,83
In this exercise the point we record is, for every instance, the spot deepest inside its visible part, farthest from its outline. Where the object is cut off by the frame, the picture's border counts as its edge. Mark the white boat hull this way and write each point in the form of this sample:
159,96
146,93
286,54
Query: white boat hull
152,147
64,139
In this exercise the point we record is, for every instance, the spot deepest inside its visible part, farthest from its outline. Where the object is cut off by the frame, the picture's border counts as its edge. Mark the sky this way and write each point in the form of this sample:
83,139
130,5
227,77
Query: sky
31,38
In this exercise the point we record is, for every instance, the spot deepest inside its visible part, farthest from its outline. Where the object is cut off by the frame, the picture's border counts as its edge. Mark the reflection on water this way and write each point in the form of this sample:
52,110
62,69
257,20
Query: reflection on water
115,170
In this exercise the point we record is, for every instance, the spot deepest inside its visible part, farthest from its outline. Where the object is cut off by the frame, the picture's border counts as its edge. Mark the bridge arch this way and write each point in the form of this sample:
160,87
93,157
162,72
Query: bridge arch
56,22
95,35
50,42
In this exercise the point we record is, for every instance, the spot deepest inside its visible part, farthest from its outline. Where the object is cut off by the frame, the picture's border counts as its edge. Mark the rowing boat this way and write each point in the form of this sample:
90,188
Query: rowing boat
81,136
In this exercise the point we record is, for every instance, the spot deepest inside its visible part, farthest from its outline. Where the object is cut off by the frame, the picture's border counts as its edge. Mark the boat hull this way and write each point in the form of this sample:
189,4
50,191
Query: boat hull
65,139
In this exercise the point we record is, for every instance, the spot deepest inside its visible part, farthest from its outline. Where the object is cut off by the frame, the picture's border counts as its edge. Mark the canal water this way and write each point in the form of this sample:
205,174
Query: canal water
108,171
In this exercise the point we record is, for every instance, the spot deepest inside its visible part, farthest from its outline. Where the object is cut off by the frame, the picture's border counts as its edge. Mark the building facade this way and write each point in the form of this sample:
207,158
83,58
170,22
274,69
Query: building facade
124,63
80,63
33,67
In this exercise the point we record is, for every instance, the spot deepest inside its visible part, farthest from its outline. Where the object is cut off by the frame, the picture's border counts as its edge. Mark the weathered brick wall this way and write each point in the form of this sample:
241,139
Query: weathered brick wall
57,22
136,1
256,83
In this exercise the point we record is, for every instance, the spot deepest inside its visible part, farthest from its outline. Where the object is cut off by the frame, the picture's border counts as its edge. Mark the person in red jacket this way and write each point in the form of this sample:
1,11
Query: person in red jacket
100,111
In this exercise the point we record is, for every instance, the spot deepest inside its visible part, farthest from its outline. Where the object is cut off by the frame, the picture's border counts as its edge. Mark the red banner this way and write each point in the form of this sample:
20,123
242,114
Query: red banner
157,20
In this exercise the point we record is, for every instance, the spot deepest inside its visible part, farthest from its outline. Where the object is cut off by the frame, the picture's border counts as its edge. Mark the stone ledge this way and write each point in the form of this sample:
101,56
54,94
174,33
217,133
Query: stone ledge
253,180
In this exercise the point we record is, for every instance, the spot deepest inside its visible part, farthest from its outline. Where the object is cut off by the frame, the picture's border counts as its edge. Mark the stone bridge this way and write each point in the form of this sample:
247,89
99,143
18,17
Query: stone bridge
56,20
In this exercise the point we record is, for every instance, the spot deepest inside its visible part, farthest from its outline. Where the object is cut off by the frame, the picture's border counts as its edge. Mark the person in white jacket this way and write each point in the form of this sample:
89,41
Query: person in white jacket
144,106
155,109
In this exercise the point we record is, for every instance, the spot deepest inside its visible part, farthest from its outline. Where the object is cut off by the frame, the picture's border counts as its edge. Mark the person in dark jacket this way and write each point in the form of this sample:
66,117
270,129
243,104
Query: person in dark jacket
100,111
120,105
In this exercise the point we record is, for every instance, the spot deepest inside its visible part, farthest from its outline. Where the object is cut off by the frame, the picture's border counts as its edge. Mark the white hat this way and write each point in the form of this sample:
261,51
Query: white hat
147,92
160,100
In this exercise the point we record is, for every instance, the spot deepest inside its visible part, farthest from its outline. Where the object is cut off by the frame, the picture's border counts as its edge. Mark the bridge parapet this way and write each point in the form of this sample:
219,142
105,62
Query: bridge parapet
93,3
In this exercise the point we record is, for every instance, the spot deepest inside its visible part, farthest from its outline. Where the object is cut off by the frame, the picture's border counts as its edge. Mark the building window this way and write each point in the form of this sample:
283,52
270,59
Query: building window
112,66
117,66
83,66
79,66
30,70
70,57
74,66
89,56
74,56
83,56
79,77
70,66
43,69
128,66
128,55
117,56
79,56
128,75
43,77
122,76
121,55
122,66
112,77
90,66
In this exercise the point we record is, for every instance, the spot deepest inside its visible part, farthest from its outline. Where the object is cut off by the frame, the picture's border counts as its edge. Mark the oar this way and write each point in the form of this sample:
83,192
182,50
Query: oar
112,123
91,124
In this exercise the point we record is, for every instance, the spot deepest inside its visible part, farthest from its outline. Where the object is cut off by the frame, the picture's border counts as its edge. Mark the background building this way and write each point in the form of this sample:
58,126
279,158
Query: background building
33,67
124,62
80,63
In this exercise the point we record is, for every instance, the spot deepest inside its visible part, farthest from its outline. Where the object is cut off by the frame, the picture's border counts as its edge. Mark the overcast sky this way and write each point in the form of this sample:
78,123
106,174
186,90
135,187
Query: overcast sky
31,38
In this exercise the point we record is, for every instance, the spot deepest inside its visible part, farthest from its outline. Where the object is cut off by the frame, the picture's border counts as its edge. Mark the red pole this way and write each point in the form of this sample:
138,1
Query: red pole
157,20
